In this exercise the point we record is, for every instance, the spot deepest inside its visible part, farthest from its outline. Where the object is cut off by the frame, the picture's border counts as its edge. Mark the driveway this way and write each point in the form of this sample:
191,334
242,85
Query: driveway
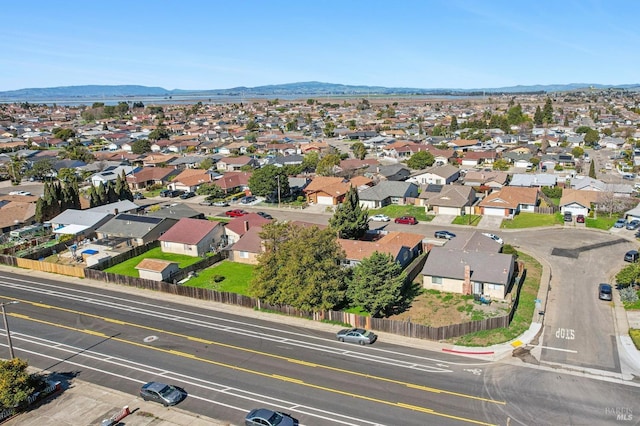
490,222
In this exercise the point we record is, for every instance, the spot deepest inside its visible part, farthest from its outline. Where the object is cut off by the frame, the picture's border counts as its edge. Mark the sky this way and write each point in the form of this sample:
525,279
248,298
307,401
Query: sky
219,44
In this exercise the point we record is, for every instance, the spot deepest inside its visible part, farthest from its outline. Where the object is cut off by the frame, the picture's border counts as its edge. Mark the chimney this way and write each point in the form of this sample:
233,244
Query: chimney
115,212
466,284
246,225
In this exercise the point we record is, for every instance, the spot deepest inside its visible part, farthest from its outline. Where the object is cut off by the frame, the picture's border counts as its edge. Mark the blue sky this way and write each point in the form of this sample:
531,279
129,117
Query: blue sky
210,44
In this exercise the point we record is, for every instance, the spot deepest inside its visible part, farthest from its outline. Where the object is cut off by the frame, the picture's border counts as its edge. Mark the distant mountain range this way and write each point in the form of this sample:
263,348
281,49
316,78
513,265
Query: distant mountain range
312,88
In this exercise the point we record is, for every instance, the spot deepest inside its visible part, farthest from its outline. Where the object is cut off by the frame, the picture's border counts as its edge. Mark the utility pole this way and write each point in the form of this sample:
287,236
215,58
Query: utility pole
278,178
6,326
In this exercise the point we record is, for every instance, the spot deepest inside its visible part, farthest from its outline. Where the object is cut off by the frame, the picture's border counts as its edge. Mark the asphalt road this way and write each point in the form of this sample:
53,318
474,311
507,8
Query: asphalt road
231,363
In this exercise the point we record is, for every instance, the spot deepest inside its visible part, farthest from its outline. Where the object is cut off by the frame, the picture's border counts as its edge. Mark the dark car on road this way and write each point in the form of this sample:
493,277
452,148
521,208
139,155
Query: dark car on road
162,393
248,199
444,234
356,335
266,417
138,196
604,291
265,215
407,220
186,195
631,256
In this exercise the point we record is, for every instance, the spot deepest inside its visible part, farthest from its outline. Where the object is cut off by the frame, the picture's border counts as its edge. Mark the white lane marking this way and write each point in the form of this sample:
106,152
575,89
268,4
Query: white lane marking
556,349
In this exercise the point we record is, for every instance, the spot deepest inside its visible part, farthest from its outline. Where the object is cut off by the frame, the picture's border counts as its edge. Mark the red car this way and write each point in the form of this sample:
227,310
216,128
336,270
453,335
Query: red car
407,220
580,218
235,213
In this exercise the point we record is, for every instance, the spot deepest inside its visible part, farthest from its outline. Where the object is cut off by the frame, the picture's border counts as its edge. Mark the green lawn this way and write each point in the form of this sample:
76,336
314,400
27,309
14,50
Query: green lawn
236,277
394,211
635,336
601,222
532,220
469,219
128,266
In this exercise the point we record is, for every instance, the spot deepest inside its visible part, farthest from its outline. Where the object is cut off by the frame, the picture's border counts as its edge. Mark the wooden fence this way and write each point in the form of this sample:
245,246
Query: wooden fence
56,268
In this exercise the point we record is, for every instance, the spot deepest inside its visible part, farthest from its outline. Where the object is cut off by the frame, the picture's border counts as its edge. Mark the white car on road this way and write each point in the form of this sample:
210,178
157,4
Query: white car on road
493,237
379,218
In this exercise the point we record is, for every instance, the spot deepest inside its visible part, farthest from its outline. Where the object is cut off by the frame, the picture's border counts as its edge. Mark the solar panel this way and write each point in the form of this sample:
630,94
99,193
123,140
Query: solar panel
140,219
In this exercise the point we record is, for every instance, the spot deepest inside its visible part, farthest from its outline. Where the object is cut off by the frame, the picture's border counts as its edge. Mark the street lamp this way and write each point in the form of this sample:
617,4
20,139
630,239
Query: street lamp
6,326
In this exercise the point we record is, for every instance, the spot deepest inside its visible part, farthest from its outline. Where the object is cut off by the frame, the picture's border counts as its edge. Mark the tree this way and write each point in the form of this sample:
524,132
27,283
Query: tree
122,190
329,127
359,150
159,132
377,284
515,115
76,151
454,124
592,170
420,160
41,169
591,137
547,112
538,118
629,275
501,164
141,146
300,267
16,384
210,189
206,164
577,152
350,221
268,180
310,161
326,165
15,169
64,134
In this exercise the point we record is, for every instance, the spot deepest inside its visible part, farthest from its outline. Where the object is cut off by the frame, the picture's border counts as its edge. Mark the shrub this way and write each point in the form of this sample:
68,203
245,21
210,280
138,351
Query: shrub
218,278
628,295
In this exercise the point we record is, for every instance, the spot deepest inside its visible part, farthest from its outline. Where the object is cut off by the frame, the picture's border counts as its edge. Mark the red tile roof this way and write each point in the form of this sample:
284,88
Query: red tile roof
189,231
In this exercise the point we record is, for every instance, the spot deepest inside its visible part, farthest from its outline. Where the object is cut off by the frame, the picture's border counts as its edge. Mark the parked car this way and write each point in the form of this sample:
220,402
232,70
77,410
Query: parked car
175,193
604,291
23,193
568,217
444,234
138,196
620,223
248,199
633,225
265,215
235,213
220,203
162,393
580,218
493,237
165,193
266,417
407,220
186,195
380,218
631,256
356,335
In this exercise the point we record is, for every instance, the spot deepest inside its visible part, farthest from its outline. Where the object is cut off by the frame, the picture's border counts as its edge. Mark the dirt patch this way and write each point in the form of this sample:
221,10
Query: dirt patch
437,309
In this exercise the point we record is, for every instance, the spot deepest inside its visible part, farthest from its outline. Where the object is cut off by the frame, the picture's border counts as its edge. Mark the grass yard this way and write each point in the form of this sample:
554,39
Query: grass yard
532,220
395,210
469,219
128,266
236,277
601,222
635,336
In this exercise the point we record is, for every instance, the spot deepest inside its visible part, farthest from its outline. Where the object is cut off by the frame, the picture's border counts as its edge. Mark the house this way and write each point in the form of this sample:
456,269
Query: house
577,201
468,272
79,222
463,145
633,214
192,237
231,164
326,190
157,269
539,180
157,160
393,172
138,230
509,201
248,247
386,193
190,180
402,246
16,214
490,178
454,200
239,226
437,175
588,183
149,176
234,182
477,158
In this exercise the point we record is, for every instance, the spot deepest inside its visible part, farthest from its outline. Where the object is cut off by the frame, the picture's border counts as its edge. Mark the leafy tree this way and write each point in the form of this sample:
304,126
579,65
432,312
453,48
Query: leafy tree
211,189
552,192
591,137
359,150
160,132
206,164
68,175
515,115
41,169
141,146
420,160
252,125
265,180
15,169
16,384
64,134
76,151
582,129
122,189
501,164
376,284
326,164
329,128
628,275
577,152
300,267
350,220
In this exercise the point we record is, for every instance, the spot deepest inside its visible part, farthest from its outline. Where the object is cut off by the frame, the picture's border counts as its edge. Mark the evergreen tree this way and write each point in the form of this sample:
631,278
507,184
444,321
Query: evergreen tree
76,195
538,118
101,195
547,112
592,169
93,197
377,284
40,207
454,124
350,220
112,197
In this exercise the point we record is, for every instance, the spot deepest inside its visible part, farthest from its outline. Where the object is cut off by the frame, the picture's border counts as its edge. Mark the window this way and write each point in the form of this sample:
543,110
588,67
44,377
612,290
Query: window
166,244
436,280
243,254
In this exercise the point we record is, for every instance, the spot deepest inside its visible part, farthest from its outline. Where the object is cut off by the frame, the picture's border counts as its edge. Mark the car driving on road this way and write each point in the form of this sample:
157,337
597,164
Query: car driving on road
494,237
604,291
266,417
444,234
380,218
356,335
162,393
235,213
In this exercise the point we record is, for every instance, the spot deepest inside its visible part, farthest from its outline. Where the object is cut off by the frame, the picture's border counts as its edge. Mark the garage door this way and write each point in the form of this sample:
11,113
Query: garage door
493,212
325,201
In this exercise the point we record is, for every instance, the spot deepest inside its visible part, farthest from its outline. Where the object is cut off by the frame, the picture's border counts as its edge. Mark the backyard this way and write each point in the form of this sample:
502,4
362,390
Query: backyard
128,266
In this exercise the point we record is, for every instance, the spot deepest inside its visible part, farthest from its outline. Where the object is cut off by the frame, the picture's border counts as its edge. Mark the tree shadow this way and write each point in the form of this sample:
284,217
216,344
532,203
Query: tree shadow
411,291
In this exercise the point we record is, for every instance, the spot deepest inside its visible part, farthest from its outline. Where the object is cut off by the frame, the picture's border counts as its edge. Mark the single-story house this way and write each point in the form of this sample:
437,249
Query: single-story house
402,246
438,175
452,200
192,237
509,201
386,193
576,201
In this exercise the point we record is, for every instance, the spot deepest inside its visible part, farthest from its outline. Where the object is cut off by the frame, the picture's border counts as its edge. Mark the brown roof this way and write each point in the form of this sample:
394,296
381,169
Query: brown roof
151,173
582,197
233,179
156,265
189,231
241,224
16,212
391,243
250,241
511,197
191,177
320,182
